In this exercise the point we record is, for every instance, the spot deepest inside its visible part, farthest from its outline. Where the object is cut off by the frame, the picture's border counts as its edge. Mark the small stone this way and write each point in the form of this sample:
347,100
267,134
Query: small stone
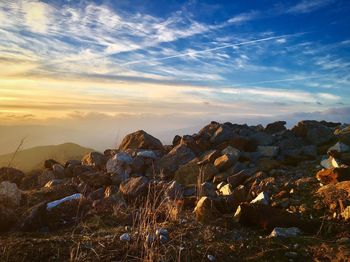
211,258
346,213
163,239
125,237
330,162
291,254
343,240
226,190
285,232
262,198
56,203
162,231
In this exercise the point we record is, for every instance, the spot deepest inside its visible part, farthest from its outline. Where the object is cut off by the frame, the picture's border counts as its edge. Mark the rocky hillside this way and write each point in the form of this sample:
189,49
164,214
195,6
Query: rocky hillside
227,193
33,158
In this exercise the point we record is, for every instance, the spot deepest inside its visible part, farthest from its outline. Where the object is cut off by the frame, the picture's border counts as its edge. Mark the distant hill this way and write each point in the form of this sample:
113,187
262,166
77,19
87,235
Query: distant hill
33,158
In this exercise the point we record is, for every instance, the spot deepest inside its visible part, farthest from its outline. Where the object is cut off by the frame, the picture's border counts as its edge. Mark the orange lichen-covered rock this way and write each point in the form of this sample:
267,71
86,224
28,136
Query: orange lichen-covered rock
333,175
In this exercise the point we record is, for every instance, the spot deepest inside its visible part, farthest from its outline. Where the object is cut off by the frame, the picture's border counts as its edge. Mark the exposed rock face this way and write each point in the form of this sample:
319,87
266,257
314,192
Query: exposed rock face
11,174
140,140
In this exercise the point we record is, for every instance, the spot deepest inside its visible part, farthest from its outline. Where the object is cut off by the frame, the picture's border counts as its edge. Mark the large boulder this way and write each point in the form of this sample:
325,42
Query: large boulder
206,210
95,179
222,134
67,211
238,178
268,218
224,162
314,132
35,218
46,194
120,165
95,159
9,192
11,174
140,140
178,156
275,127
244,143
45,176
134,187
190,173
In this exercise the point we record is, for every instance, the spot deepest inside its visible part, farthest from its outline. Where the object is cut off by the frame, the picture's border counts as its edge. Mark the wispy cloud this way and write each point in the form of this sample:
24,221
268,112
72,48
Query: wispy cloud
244,17
307,6
214,48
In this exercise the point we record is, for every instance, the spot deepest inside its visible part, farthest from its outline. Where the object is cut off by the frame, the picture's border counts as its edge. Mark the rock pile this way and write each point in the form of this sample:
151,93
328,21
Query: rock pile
255,175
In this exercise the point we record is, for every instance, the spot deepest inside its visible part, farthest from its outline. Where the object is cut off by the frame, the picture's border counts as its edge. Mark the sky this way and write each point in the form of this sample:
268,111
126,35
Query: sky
92,71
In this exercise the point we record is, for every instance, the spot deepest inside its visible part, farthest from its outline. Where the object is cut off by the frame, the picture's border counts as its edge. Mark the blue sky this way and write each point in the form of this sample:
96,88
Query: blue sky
197,59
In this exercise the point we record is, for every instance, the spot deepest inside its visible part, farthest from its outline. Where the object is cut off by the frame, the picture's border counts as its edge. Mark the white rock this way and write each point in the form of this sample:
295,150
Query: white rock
268,151
237,214
339,147
330,162
226,190
125,237
147,154
220,185
285,232
262,198
117,163
10,192
55,203
211,258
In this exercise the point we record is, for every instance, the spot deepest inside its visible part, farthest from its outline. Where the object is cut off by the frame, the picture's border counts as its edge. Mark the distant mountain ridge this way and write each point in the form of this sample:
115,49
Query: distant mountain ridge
33,158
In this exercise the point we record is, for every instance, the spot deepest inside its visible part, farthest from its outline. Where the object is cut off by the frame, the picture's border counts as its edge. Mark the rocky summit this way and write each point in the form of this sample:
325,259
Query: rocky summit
227,193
